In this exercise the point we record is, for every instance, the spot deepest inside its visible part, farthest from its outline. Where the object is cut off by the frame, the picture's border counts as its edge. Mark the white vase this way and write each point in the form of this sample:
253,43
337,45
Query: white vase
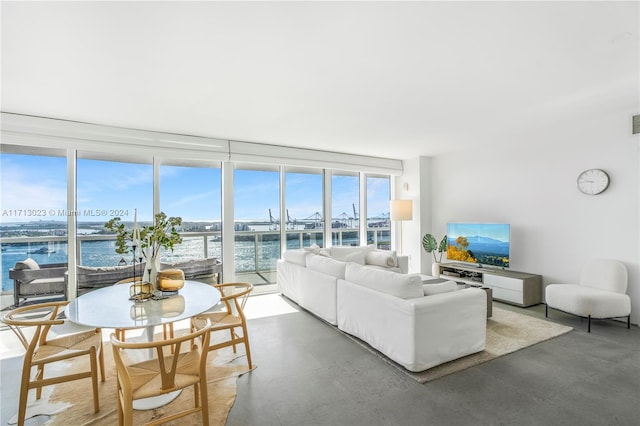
435,269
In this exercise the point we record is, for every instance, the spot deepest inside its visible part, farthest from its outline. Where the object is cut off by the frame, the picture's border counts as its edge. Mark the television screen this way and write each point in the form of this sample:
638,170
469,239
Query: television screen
480,243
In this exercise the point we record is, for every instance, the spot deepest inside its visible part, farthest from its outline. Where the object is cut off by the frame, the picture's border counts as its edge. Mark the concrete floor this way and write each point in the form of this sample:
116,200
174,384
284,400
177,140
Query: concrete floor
309,374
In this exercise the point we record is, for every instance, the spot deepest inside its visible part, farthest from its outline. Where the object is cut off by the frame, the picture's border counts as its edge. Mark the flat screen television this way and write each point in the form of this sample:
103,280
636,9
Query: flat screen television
479,243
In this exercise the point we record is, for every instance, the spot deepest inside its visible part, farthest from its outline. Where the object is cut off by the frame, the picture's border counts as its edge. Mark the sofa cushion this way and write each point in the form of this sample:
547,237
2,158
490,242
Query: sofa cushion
444,287
356,254
387,259
299,257
405,286
313,248
326,265
28,263
98,269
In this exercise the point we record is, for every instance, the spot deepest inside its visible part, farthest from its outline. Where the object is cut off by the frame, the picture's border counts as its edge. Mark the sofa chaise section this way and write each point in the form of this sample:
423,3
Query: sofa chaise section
393,316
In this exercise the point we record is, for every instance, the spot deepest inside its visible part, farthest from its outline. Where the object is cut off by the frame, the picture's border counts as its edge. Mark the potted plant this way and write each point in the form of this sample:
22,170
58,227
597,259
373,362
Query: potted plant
431,245
147,240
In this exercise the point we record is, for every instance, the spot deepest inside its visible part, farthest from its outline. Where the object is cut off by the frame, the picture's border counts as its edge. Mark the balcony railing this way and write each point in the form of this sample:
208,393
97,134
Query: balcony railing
254,251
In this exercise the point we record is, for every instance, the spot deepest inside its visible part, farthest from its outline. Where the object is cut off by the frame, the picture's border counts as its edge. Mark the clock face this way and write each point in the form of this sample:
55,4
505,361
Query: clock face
593,181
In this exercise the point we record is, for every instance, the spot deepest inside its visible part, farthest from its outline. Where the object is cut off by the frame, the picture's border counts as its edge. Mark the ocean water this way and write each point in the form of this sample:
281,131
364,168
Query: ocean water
250,256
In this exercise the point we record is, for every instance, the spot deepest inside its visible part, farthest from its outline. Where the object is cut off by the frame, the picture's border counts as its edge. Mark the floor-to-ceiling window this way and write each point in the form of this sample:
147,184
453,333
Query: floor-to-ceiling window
123,172
33,200
194,193
256,195
378,191
345,205
107,189
304,207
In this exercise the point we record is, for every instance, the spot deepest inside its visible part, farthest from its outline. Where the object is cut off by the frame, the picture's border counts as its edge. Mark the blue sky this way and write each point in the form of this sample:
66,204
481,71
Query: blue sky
36,185
497,231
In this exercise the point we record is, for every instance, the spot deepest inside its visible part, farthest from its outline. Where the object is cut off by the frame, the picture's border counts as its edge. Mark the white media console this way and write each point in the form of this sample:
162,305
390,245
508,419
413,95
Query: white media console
516,288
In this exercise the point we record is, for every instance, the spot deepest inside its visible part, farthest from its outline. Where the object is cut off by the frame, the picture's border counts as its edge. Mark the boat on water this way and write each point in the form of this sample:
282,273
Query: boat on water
41,250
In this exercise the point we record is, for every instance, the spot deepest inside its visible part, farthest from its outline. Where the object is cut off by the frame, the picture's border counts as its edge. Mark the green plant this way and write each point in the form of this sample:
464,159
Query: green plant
163,233
431,245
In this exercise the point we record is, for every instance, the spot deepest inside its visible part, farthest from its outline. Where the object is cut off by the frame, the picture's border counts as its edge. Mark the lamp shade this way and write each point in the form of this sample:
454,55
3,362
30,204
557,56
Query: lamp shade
401,210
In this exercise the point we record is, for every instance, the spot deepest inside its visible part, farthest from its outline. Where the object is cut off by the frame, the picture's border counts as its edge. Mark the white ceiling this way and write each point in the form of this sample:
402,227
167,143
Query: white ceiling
392,79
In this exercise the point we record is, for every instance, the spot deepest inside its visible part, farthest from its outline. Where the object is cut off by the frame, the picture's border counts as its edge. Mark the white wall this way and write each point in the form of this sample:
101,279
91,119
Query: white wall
554,228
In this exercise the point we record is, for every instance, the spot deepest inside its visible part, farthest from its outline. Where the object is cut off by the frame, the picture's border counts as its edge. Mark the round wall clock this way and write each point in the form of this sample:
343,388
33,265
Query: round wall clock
593,181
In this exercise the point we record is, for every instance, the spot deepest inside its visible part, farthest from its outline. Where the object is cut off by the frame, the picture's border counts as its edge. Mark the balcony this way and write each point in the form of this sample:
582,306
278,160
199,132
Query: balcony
255,252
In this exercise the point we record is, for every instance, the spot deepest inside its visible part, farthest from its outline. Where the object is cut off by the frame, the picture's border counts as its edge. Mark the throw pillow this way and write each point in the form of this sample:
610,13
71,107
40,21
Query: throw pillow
351,254
28,263
444,287
326,252
381,258
314,248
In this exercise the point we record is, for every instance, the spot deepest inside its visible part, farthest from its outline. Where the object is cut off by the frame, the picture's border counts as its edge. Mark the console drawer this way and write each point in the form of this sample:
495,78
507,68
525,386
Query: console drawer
496,281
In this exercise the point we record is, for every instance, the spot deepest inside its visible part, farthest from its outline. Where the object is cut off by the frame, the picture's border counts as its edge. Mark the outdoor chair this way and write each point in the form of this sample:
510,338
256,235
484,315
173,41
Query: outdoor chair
31,280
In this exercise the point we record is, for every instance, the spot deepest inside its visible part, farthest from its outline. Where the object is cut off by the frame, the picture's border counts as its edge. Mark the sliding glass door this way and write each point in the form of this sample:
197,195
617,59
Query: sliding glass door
34,216
345,207
304,207
256,195
378,224
107,189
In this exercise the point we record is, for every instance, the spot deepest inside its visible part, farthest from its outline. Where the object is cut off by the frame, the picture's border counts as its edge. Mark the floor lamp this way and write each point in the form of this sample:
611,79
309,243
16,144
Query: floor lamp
401,210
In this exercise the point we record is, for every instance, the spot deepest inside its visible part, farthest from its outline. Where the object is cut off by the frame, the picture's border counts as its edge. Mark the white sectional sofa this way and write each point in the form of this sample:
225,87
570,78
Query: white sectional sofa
365,293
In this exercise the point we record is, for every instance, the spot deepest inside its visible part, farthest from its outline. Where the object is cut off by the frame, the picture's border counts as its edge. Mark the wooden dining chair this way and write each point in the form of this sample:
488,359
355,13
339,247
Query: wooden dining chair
230,318
167,372
41,350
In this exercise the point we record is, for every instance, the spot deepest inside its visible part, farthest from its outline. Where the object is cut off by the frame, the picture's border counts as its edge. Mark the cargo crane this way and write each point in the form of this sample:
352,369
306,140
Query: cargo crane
292,223
273,222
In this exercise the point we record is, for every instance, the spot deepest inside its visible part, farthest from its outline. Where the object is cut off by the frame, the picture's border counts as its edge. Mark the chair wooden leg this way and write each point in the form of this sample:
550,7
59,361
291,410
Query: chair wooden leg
24,394
589,324
231,331
94,378
546,311
101,361
127,412
196,395
246,345
629,321
39,376
119,401
204,400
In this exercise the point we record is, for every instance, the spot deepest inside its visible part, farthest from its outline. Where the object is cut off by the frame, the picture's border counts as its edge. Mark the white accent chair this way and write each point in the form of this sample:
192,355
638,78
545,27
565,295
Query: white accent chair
601,293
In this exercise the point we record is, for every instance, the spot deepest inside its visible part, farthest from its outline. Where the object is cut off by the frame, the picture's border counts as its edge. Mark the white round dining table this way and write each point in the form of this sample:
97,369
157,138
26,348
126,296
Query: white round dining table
110,307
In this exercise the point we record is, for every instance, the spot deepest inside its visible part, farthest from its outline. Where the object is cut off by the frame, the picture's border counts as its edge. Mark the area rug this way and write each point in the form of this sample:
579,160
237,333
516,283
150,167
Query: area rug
223,369
507,332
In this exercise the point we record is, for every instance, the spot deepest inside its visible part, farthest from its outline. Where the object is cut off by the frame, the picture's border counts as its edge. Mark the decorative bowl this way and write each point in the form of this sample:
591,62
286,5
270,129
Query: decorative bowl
170,280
